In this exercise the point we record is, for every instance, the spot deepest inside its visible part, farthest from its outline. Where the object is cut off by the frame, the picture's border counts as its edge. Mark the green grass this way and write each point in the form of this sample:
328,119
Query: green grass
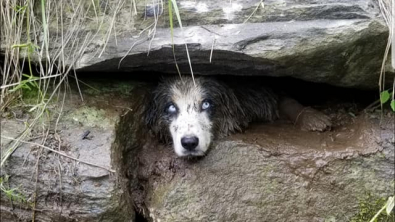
373,209
13,194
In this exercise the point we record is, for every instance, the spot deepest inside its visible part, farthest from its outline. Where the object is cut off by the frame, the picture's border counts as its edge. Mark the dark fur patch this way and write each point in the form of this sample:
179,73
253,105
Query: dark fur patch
232,108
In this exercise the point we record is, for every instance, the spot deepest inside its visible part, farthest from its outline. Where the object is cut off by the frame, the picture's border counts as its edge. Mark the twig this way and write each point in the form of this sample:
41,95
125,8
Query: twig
35,187
31,80
36,180
207,29
60,174
62,154
374,105
212,49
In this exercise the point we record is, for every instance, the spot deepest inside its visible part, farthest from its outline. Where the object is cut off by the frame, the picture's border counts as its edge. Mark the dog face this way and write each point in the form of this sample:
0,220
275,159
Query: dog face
191,114
190,124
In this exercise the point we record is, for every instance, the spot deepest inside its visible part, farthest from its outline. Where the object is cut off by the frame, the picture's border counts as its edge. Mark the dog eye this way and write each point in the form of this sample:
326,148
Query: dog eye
171,108
206,105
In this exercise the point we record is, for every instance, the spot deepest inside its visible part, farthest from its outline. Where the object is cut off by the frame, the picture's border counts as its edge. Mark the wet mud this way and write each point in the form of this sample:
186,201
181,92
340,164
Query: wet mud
269,172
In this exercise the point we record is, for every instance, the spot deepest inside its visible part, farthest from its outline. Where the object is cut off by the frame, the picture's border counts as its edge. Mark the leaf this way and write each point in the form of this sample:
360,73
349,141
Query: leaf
32,84
25,86
384,96
174,3
392,104
390,202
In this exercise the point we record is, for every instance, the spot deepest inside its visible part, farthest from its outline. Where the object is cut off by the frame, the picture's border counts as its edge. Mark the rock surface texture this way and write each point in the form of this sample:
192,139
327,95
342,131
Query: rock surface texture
60,188
271,172
337,42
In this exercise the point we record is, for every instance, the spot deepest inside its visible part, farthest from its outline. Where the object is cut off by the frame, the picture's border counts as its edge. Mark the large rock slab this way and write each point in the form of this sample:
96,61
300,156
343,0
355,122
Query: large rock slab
339,52
271,172
338,42
335,42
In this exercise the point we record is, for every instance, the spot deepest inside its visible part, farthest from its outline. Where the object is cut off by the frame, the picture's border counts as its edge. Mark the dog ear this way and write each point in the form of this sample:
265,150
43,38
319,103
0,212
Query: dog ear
153,112
228,111
150,114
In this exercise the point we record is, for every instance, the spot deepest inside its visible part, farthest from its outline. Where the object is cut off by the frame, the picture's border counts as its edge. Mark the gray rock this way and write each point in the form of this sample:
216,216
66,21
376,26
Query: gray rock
64,189
271,172
338,42
335,42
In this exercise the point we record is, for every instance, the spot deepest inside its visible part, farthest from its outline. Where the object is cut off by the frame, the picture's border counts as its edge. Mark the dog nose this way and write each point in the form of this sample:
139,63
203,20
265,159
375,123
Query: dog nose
189,143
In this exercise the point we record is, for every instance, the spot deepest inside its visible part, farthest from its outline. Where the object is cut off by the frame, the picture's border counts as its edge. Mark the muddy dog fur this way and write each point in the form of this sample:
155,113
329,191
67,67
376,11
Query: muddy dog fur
192,112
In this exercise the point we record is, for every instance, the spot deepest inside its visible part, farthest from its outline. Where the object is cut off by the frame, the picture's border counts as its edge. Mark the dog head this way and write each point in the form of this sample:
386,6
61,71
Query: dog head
192,113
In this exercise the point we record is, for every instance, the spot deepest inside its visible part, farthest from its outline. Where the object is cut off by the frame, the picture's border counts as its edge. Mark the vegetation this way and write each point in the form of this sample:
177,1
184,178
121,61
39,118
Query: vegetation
375,210
37,69
34,65
32,27
12,194
385,97
386,10
40,46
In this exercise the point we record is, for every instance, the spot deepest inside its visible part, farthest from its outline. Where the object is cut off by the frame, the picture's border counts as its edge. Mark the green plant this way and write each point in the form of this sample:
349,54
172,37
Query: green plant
27,84
388,207
13,194
385,96
371,209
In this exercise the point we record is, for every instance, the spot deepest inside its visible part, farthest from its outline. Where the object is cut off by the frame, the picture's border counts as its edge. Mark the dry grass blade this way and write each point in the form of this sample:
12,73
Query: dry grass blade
386,8
260,4
55,36
52,35
173,4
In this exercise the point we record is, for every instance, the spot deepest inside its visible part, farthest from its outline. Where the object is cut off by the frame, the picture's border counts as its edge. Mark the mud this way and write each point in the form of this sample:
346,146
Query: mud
269,172
260,169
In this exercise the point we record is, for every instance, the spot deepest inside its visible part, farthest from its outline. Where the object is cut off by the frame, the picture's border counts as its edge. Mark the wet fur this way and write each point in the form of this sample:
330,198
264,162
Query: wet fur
234,106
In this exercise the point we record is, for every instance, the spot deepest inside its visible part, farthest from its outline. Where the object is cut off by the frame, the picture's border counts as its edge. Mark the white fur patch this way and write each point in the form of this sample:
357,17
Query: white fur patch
191,121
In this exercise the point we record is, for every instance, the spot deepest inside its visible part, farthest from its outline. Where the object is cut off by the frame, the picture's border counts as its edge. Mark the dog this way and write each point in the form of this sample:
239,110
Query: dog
192,112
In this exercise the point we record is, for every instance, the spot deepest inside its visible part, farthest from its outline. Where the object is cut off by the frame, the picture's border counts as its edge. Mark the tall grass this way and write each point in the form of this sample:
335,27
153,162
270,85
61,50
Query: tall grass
42,40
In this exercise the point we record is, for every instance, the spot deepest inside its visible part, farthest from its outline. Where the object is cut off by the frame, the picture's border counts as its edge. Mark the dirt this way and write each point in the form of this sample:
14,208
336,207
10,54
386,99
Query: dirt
281,144
356,134
268,170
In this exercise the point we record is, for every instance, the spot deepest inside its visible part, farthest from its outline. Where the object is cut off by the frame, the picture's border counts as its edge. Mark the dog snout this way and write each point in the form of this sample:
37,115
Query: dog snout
190,142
